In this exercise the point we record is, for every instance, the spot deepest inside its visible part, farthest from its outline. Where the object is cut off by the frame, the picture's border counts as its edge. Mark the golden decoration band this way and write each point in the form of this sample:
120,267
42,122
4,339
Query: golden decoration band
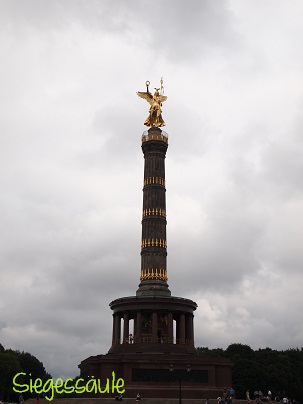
153,242
154,181
154,136
150,273
154,211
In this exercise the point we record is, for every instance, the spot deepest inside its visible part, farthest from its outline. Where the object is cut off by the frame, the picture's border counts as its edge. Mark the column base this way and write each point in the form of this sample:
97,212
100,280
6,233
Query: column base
153,288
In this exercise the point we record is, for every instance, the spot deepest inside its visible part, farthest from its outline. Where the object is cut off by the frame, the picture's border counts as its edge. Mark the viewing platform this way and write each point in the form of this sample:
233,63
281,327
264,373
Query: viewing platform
154,134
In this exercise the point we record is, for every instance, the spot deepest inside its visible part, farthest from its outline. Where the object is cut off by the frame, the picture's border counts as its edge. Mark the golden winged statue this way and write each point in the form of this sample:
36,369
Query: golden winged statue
155,101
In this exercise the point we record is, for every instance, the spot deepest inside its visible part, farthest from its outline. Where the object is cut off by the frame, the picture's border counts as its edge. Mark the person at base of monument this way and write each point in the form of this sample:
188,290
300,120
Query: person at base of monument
119,397
138,397
231,393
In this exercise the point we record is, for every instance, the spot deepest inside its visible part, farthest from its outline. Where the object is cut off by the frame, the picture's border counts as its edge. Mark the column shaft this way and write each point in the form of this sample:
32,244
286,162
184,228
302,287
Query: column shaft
154,327
117,329
170,328
113,333
125,327
182,329
191,329
138,335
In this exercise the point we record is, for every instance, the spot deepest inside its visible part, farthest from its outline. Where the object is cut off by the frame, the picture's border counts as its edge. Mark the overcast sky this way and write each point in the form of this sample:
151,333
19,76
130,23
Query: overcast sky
72,168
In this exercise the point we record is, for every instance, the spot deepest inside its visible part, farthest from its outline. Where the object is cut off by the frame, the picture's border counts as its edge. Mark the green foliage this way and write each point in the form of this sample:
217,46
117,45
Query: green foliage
263,369
30,364
246,373
9,366
13,362
204,351
238,351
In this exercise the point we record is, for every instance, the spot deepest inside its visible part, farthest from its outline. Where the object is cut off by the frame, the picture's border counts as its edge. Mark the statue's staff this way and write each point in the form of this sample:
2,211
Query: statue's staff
162,88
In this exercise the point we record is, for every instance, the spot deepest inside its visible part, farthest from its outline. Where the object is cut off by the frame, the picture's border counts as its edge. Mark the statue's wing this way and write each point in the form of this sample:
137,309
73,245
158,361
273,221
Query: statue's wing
147,96
163,98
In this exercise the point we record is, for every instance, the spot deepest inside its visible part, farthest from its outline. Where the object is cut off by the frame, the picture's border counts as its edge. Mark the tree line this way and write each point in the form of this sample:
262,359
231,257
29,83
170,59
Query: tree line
13,362
281,372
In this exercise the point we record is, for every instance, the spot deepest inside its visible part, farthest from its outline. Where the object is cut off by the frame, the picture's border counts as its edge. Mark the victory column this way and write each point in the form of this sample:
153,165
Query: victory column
153,332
